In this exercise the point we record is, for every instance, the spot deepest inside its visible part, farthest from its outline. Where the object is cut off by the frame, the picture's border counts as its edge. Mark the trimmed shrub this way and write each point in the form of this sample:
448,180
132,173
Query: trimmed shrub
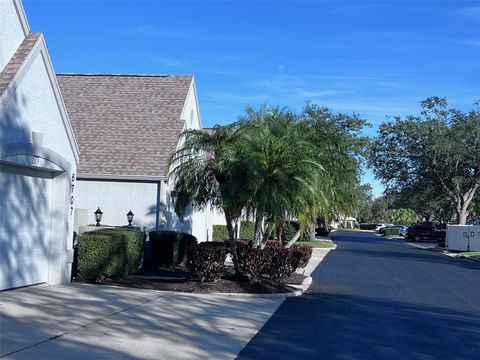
275,261
254,263
247,229
305,255
272,243
206,260
220,233
242,246
391,231
168,248
109,252
280,262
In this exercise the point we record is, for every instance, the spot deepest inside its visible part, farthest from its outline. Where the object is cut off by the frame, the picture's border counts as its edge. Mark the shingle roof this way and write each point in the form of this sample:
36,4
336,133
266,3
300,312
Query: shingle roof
8,73
125,125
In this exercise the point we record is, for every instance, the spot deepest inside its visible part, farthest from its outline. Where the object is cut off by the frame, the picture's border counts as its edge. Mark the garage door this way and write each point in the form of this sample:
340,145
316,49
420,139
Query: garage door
25,216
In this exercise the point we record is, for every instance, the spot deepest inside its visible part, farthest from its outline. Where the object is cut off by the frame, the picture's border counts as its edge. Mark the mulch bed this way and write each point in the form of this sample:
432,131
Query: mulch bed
179,279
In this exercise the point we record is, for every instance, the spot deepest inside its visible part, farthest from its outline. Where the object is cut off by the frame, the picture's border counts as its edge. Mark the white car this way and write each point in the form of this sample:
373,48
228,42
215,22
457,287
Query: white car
403,230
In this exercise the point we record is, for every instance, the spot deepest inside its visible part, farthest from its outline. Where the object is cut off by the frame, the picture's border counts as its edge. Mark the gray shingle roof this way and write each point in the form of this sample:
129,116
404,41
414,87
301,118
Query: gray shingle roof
8,73
125,125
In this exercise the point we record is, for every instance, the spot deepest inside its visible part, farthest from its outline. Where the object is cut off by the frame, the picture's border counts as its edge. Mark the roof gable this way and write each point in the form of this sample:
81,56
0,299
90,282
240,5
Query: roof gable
125,125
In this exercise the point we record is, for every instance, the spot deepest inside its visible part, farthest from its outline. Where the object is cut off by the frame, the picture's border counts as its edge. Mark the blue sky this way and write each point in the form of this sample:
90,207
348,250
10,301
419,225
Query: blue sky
375,58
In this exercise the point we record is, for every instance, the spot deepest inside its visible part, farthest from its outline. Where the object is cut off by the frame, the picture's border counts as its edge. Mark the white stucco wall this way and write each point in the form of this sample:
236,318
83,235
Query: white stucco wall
191,113
218,217
32,103
12,29
115,199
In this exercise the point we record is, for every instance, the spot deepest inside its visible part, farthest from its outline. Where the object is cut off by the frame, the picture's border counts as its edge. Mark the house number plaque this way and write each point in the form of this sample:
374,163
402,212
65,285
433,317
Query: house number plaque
72,197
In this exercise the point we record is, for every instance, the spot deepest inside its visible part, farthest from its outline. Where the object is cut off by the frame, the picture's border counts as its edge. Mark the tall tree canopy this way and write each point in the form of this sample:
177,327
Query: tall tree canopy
439,149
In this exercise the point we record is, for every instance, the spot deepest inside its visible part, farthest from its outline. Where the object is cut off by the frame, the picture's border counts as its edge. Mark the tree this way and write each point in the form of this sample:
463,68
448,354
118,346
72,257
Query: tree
427,200
339,149
441,147
285,176
306,165
402,216
380,209
364,197
207,170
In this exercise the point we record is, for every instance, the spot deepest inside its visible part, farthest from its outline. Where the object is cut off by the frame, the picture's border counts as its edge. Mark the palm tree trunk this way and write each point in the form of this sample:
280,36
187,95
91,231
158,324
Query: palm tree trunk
280,232
233,243
257,237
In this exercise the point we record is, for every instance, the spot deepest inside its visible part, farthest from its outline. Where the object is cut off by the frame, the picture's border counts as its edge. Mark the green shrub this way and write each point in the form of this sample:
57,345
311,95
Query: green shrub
168,248
289,231
109,252
247,229
206,260
220,232
391,231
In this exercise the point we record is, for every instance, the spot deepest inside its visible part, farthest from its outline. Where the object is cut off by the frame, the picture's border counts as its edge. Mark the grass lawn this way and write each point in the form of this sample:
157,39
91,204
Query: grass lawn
470,254
325,244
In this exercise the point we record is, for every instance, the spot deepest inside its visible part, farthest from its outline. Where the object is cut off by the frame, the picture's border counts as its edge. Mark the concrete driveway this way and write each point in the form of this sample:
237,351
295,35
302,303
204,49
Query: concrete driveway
97,322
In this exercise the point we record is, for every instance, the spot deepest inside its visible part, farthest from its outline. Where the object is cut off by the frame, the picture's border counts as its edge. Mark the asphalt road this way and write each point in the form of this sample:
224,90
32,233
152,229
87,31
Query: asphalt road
376,298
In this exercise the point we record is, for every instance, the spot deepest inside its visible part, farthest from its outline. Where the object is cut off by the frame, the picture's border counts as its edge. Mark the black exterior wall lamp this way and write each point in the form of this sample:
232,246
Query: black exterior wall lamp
98,216
130,216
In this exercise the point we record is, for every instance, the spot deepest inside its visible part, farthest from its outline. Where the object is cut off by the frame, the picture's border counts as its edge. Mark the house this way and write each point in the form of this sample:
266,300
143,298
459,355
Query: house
38,159
127,127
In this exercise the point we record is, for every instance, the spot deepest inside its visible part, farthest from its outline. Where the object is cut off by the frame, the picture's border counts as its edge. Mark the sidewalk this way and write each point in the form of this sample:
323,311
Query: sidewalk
101,322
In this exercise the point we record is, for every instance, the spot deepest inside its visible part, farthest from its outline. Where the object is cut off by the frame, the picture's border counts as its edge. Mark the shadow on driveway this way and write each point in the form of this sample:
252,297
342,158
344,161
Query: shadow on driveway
332,326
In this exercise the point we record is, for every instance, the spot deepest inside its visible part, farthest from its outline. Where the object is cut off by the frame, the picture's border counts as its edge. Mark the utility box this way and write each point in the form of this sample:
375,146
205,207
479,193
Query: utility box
463,237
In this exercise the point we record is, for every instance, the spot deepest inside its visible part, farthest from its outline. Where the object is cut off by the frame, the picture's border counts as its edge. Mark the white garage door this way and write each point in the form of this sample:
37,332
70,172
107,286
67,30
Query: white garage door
25,197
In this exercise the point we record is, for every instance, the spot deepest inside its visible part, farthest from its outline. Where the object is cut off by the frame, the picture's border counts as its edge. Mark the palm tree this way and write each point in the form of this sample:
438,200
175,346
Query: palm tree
208,171
283,173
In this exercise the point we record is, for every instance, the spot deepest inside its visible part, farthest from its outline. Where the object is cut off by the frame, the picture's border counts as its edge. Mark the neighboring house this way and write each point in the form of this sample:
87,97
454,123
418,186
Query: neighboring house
38,159
127,127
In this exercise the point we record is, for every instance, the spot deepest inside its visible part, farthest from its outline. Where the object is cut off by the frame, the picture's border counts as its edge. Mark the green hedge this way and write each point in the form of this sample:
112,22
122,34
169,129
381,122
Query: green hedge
168,248
109,252
220,232
247,229
392,231
289,232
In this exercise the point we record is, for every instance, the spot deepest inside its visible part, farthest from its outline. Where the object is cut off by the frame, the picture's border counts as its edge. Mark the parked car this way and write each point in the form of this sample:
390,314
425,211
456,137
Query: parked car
424,232
396,227
379,227
403,230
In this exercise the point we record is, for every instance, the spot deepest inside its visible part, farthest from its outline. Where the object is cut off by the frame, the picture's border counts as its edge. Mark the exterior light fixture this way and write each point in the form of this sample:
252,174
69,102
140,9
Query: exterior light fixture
98,216
130,218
